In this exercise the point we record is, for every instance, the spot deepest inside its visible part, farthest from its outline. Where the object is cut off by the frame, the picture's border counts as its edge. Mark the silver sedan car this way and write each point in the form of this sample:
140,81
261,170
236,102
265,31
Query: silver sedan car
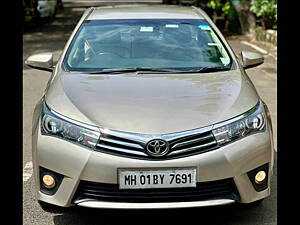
148,107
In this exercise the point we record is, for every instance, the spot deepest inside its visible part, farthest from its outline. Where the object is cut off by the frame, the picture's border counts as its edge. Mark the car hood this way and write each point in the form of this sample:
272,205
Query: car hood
151,103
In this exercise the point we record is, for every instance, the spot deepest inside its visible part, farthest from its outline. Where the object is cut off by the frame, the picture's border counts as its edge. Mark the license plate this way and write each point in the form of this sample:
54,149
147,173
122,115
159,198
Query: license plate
162,178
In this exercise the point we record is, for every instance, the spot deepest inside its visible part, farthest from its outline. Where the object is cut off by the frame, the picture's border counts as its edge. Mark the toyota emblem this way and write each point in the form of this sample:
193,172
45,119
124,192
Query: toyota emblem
157,147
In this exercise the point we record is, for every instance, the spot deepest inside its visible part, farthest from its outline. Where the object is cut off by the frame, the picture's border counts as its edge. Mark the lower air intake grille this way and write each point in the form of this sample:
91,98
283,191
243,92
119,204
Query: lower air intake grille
204,191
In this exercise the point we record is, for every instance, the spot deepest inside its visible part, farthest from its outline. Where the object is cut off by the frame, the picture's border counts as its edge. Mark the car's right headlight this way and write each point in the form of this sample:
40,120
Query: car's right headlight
59,126
249,123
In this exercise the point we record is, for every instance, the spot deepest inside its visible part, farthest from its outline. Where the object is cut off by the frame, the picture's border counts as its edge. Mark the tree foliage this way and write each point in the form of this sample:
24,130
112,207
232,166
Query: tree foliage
224,7
267,10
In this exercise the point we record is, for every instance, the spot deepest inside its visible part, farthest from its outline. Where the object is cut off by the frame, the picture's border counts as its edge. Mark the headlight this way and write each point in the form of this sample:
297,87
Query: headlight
251,122
59,126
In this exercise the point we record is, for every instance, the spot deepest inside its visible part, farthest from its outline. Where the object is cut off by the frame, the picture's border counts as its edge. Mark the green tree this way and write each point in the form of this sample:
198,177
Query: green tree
246,17
225,9
267,10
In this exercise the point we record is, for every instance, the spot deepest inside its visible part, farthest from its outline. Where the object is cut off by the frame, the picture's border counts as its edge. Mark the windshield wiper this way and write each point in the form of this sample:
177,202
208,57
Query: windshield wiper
158,70
134,69
208,69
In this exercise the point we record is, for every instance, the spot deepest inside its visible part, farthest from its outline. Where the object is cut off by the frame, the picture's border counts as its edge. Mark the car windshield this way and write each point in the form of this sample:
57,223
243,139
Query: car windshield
174,44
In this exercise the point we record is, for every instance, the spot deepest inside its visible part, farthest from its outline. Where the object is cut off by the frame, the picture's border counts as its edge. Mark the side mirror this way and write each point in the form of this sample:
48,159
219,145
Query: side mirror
43,61
251,59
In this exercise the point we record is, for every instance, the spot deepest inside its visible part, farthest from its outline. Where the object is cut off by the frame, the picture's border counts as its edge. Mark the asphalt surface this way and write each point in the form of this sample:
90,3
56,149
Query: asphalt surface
51,36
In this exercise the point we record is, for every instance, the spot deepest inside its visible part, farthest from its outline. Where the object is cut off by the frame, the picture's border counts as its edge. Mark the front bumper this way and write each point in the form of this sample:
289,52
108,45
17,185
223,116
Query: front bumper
77,163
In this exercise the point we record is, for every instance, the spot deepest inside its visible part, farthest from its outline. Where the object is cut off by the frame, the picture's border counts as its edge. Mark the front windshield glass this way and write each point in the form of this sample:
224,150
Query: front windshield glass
157,43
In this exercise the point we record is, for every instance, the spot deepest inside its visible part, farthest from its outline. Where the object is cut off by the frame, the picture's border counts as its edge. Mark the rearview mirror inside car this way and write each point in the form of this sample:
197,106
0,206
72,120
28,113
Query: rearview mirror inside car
43,61
251,59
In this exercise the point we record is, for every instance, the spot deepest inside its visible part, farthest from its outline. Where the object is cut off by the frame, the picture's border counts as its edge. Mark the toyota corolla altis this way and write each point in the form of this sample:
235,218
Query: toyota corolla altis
148,107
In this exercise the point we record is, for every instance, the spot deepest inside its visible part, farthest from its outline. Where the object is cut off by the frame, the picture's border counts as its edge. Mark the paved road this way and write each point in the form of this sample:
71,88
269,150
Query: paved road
51,37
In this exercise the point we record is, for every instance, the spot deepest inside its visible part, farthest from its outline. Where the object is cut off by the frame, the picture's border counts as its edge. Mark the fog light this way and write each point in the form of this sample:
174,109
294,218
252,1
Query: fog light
48,181
260,177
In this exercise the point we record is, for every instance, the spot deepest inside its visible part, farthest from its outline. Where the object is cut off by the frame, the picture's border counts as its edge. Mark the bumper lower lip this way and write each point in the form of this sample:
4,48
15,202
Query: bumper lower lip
163,205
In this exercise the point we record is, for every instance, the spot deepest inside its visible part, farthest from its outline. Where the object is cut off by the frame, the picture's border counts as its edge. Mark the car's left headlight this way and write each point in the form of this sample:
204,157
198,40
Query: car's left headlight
62,127
250,122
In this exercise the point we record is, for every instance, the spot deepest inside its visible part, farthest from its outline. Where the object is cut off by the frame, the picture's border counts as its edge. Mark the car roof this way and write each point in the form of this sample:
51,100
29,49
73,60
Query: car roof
144,12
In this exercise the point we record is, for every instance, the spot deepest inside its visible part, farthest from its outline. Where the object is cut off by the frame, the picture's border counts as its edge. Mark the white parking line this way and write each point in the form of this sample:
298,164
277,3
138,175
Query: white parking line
255,47
261,50
27,171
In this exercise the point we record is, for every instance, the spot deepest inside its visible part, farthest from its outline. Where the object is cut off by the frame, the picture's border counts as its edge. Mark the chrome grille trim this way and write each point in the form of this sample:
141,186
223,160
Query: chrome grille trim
139,138
180,144
122,150
121,143
176,136
192,148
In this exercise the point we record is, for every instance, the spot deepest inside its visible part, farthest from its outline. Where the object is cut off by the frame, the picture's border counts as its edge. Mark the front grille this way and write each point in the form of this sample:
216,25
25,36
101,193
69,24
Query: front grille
114,144
195,143
219,189
134,145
